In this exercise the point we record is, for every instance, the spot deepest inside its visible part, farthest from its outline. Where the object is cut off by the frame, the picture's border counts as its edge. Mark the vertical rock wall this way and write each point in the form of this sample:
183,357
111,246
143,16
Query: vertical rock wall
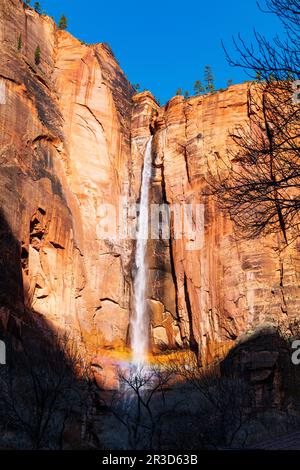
229,286
64,152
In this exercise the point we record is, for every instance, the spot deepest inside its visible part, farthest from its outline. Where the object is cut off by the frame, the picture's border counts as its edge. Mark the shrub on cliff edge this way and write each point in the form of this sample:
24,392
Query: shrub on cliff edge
63,23
37,55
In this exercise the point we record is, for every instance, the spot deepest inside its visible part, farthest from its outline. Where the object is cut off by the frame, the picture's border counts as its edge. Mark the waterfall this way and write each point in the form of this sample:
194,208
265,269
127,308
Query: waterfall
139,323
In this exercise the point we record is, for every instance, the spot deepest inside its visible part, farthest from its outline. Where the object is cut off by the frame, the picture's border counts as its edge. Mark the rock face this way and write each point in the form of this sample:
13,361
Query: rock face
260,359
72,143
224,286
228,285
64,151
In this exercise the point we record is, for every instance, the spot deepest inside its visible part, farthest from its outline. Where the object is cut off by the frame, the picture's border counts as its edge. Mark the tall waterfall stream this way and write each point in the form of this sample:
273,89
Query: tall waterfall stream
139,322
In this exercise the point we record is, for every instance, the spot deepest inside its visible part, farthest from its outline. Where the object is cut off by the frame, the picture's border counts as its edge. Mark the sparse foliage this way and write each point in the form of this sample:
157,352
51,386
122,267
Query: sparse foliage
280,56
198,88
63,22
20,42
37,7
209,79
258,76
179,91
37,55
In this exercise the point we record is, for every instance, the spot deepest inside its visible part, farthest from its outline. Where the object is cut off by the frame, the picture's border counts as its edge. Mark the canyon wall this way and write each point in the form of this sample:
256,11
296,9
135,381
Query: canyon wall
64,152
73,135
227,287
230,285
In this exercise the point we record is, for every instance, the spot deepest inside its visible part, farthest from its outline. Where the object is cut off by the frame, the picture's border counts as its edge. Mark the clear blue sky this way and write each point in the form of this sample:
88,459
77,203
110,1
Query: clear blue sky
165,44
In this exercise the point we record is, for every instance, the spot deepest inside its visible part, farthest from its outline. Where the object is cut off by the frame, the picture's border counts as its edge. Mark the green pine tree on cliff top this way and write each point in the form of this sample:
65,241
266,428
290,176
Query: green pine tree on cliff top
63,22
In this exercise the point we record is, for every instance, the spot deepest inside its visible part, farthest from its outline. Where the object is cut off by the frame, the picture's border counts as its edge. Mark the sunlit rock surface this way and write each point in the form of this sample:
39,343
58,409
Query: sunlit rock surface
65,151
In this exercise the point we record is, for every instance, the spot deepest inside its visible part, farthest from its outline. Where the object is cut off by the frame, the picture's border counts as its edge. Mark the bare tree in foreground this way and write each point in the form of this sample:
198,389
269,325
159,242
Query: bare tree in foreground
140,404
220,407
41,393
180,407
277,59
259,187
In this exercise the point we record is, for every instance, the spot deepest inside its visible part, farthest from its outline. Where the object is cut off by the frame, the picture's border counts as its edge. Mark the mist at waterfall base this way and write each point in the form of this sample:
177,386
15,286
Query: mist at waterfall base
139,322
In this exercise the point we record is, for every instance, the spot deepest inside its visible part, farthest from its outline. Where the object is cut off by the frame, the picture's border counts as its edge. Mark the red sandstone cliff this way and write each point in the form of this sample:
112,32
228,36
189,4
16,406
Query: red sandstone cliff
72,139
64,151
230,286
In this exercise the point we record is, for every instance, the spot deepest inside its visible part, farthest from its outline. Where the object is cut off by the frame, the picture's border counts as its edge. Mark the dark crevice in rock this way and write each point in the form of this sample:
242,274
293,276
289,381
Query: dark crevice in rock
9,79
229,334
37,75
170,246
284,305
57,246
92,113
107,299
24,258
192,341
44,137
37,230
184,152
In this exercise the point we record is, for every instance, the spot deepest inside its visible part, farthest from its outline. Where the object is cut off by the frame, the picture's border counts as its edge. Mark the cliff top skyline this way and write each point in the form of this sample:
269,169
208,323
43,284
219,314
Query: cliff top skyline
162,46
